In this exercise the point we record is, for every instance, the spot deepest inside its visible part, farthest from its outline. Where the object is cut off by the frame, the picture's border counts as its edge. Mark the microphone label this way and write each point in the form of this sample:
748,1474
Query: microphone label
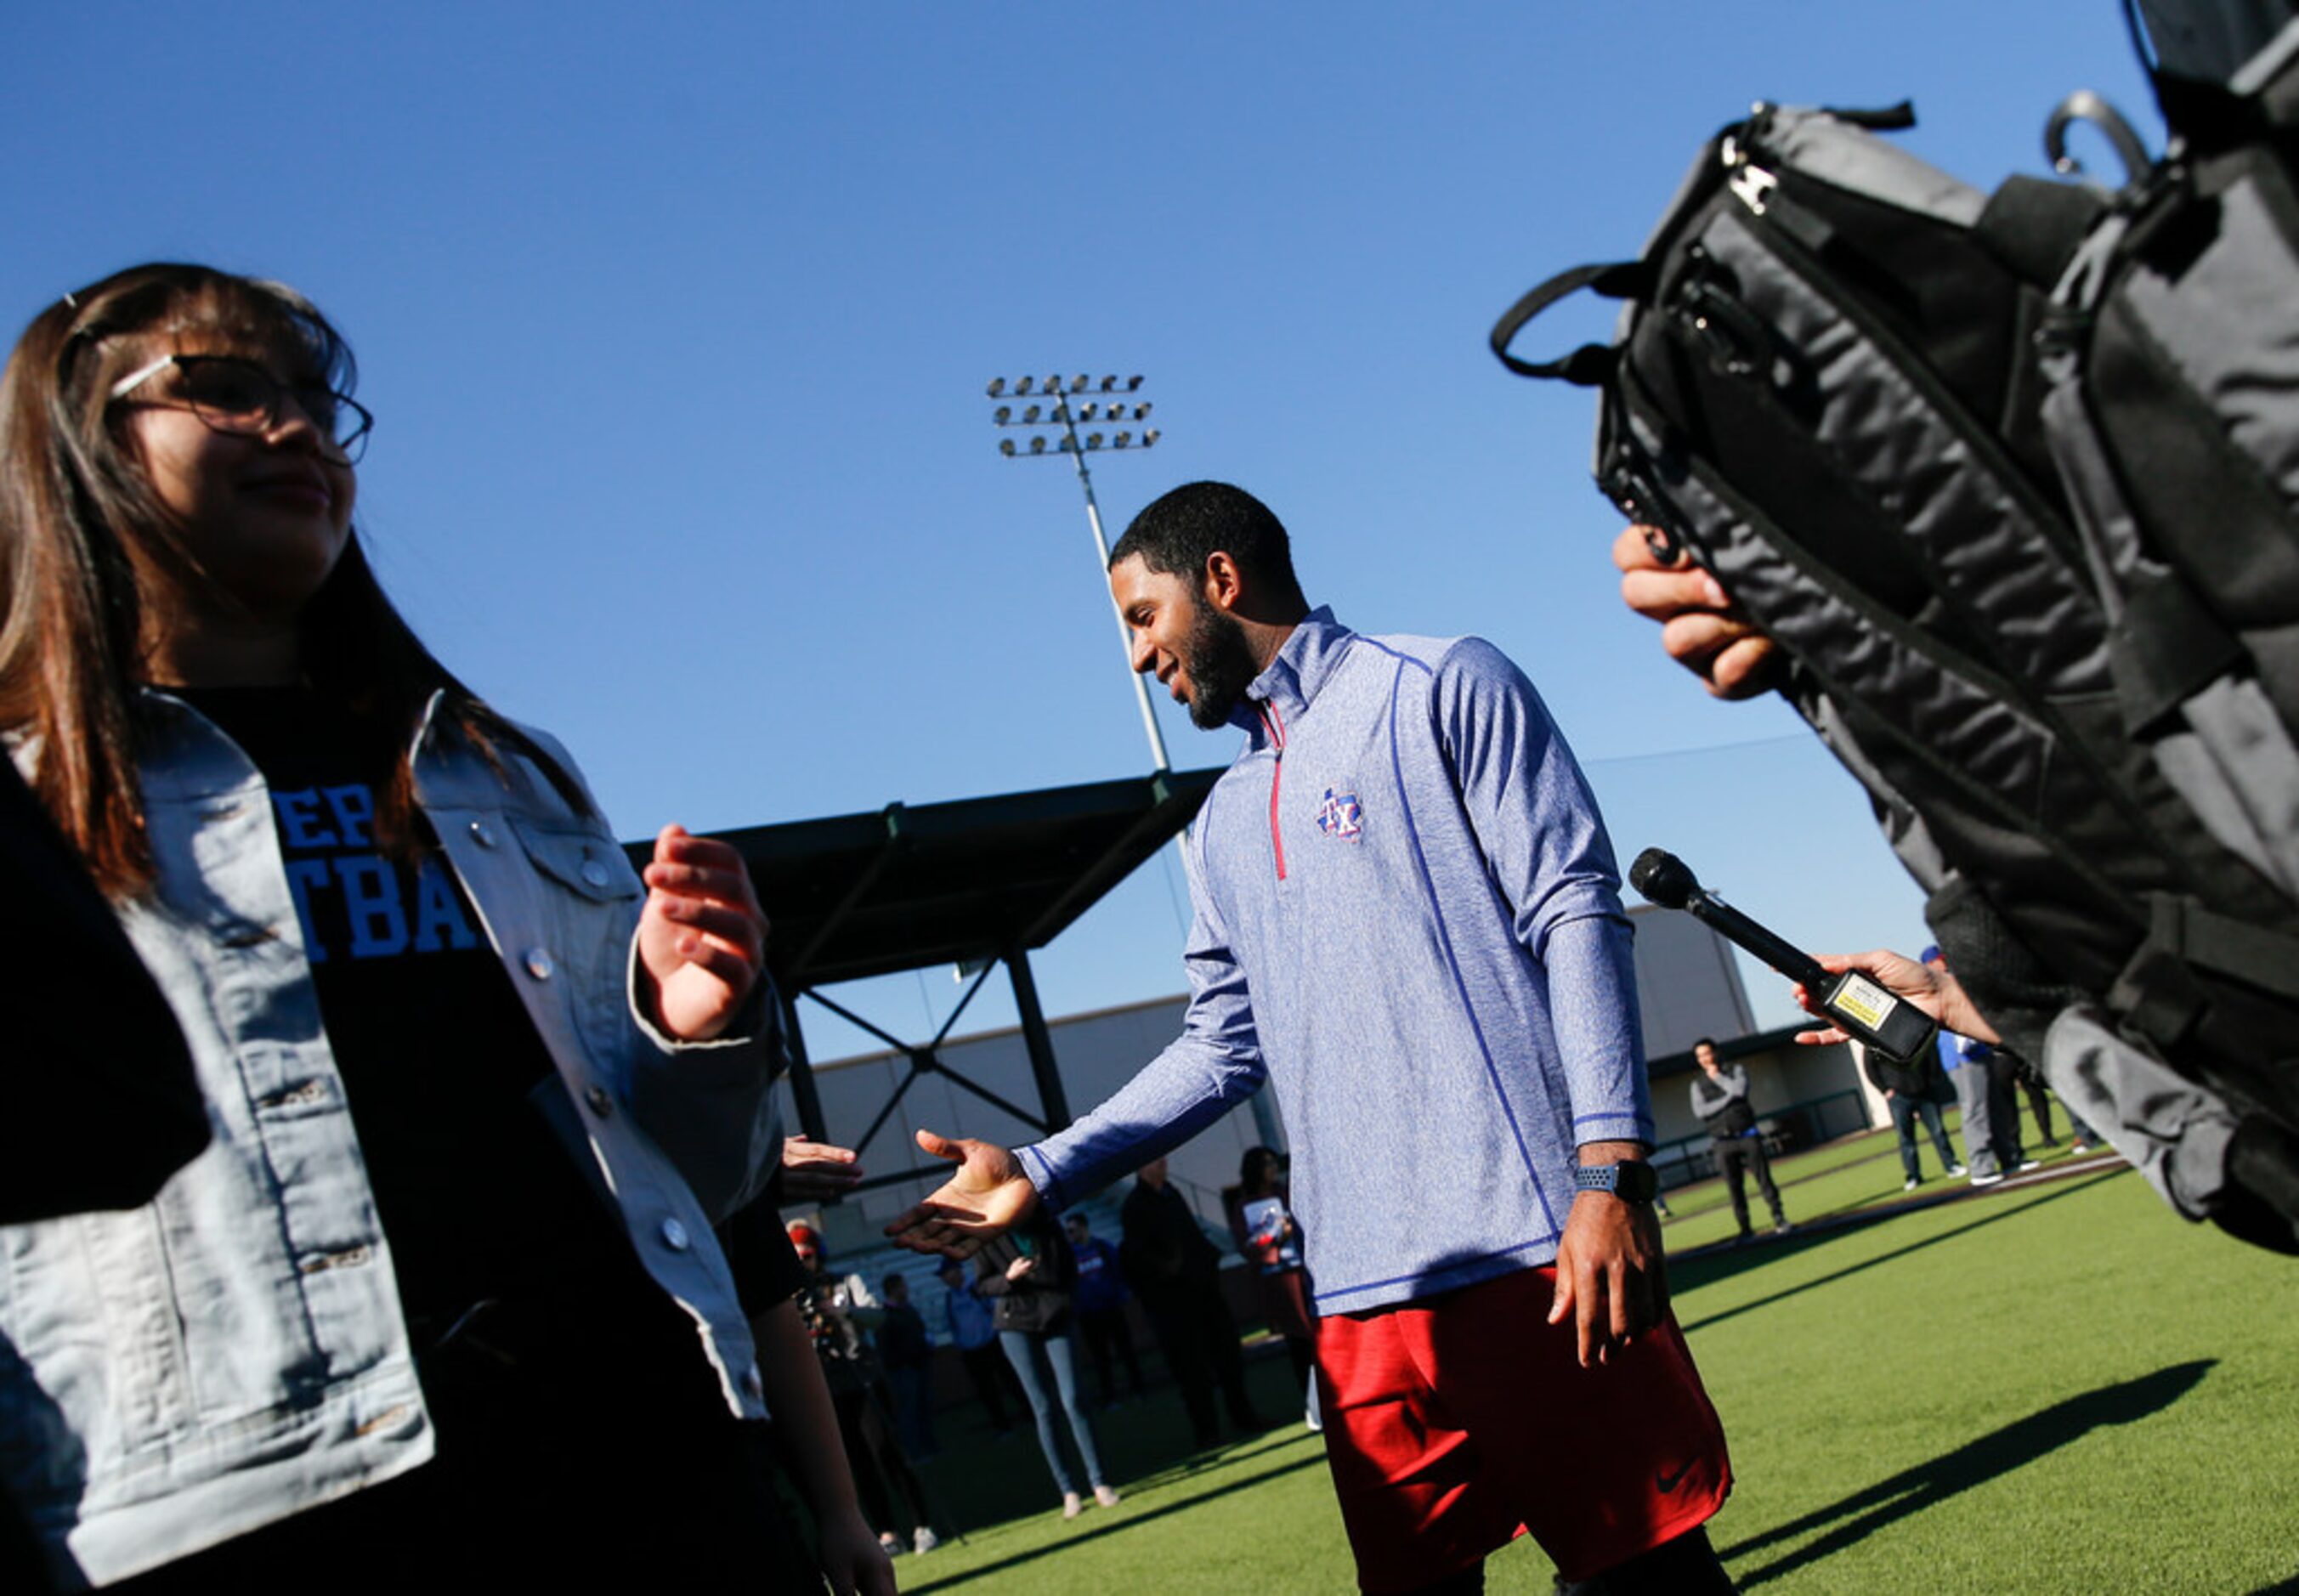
1864,1001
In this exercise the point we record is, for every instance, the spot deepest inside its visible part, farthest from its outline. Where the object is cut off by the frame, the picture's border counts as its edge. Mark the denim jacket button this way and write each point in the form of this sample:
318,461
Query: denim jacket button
538,963
595,872
483,833
600,1104
674,1235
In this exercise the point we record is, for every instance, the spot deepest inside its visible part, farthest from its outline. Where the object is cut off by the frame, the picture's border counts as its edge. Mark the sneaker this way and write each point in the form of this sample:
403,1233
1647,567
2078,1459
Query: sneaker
1782,1228
890,1544
1908,1185
1071,1506
1105,1496
2077,1150
1958,1169
924,1540
1988,1180
2027,1164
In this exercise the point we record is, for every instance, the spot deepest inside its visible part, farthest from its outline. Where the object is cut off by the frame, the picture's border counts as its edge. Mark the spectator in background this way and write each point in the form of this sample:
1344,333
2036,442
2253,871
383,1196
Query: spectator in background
1270,1242
2031,1082
839,1312
1983,1079
1101,1300
1176,1273
1911,1092
973,1327
908,1352
1031,1274
1720,1096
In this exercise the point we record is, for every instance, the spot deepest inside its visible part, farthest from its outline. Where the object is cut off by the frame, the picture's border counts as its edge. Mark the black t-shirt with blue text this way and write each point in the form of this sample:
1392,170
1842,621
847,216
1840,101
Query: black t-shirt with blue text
439,1061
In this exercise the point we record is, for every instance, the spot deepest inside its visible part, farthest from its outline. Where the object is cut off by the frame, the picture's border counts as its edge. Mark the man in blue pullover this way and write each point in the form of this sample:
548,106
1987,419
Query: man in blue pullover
1407,917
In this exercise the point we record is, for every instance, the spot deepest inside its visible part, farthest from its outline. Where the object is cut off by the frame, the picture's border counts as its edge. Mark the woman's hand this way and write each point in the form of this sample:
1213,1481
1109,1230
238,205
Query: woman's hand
1929,987
816,1171
702,936
853,1560
1021,1269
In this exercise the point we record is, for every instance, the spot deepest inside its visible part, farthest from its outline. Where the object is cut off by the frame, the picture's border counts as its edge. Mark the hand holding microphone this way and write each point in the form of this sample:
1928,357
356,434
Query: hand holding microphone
1857,1005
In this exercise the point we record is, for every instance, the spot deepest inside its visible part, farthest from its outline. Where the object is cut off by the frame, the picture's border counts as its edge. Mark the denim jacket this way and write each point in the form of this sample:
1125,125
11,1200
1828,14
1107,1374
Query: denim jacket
234,1351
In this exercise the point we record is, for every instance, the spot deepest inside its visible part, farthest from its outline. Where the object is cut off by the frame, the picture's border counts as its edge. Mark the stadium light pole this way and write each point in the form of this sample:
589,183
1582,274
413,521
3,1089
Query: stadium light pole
1031,402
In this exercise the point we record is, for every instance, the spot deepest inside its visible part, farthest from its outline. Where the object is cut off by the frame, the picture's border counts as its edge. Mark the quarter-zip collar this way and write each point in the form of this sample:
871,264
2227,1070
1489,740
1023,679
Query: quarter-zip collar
1302,666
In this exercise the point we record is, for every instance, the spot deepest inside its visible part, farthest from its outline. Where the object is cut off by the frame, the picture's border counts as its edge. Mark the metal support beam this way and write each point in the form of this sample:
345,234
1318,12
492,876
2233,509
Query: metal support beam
803,1093
922,1060
1039,1039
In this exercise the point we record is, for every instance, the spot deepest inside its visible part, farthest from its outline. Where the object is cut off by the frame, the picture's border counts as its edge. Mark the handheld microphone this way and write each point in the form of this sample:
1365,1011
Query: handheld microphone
1858,1005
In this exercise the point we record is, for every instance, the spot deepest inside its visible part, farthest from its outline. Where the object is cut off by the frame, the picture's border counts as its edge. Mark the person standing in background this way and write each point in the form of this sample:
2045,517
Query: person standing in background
1101,1300
973,1327
1176,1273
1720,1096
908,1353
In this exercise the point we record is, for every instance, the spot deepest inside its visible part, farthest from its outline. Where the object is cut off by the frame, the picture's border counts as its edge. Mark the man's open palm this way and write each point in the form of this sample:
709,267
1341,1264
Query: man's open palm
987,1196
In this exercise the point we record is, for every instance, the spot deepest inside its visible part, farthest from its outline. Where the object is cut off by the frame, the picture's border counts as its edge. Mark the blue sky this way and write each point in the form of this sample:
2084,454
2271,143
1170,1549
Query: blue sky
676,322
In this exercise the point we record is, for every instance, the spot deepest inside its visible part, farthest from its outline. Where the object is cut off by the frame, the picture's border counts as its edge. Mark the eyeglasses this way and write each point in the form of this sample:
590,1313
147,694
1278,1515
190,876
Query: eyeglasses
231,394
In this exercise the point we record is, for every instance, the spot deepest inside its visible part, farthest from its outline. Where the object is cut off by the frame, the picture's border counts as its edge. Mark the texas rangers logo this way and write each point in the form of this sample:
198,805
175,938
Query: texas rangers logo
1340,816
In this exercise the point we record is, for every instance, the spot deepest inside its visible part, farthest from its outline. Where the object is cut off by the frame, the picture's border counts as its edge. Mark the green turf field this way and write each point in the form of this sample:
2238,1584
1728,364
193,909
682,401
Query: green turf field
2058,1387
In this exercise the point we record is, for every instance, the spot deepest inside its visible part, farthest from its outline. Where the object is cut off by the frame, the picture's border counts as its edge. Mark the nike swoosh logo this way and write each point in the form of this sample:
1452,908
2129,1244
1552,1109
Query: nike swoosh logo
1667,1482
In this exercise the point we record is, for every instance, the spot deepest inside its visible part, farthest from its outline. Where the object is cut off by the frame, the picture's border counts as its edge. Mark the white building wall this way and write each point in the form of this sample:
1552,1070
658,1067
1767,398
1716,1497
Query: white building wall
1687,982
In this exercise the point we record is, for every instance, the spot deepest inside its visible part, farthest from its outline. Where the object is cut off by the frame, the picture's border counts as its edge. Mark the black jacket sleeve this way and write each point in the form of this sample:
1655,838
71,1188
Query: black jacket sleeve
102,1105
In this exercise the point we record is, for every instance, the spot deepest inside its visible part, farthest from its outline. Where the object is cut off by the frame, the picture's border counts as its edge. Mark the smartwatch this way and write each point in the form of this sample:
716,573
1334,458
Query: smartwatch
1631,1180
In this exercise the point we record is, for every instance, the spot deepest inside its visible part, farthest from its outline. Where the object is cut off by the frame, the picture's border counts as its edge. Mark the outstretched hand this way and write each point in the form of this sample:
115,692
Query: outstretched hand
1700,627
816,1171
1935,992
1611,1275
986,1196
702,936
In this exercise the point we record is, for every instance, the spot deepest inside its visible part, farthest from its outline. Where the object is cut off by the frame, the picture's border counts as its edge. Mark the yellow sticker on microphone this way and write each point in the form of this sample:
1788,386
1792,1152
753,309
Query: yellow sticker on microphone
1864,1001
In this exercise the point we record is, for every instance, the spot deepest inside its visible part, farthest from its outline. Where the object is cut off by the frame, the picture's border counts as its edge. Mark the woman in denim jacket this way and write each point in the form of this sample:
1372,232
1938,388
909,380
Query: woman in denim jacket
476,1090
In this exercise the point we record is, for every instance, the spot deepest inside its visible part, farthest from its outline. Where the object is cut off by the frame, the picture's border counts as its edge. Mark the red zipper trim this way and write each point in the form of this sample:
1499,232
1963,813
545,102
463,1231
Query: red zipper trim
1276,776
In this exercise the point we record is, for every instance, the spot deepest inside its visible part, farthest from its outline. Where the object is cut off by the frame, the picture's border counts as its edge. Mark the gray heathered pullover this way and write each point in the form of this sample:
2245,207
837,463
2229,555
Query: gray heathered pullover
1408,918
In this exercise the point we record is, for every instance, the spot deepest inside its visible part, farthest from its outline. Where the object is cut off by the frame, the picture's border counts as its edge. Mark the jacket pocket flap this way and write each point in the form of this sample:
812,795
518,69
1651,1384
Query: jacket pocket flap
578,858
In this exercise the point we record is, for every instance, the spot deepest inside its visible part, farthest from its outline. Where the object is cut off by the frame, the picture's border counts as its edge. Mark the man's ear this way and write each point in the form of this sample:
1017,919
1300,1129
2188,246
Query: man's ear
1223,583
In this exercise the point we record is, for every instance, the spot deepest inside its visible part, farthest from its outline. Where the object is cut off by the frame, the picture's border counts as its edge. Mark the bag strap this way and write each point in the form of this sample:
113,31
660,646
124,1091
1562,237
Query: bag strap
2158,990
1591,364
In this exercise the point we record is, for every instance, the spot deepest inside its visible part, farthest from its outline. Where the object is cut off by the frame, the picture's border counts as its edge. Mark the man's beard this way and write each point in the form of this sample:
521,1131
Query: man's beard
1220,665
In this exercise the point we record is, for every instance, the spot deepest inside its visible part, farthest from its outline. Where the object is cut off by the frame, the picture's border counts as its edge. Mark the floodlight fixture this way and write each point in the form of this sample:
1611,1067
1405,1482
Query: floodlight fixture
1149,437
1063,410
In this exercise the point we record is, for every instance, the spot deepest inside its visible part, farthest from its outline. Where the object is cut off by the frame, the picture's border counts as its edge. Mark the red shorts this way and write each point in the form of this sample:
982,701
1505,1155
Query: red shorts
1455,1423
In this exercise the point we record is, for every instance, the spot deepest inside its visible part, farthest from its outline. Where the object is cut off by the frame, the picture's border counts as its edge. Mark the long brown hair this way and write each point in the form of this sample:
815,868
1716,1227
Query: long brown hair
73,496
